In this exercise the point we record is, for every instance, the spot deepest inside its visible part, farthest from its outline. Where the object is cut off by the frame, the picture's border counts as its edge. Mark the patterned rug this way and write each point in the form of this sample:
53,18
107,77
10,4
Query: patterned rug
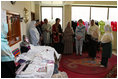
84,65
112,73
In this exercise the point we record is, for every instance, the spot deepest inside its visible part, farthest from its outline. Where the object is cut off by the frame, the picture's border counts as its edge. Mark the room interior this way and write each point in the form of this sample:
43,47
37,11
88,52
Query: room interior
32,10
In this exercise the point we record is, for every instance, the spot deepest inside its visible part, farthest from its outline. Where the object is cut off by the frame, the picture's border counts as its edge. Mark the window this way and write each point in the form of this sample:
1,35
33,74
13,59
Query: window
113,14
57,13
46,13
99,13
51,13
14,33
80,13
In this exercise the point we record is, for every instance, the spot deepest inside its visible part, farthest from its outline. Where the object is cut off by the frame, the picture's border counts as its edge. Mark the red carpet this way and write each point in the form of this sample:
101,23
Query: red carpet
84,67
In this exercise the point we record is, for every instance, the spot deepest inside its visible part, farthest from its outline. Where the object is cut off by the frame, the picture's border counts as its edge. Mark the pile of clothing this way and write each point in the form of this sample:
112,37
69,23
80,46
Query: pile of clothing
38,62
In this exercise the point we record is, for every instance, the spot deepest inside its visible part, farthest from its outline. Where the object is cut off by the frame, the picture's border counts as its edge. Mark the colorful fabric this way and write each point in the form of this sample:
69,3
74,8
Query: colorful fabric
56,29
6,54
102,24
114,25
16,52
86,25
78,23
80,31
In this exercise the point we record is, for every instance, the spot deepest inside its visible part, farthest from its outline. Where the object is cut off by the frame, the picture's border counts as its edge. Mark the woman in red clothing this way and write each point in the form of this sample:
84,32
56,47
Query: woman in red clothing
57,36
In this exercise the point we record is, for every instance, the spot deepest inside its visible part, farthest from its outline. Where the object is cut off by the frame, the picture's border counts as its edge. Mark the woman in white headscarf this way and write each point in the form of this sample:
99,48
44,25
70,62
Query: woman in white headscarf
106,41
34,34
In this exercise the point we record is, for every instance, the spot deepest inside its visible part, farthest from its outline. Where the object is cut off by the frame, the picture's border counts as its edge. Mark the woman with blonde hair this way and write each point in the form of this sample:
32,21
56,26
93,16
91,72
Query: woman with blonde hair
106,43
68,39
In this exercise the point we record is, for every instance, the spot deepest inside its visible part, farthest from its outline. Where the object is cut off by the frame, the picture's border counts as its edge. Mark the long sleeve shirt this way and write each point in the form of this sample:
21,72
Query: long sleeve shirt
94,31
80,31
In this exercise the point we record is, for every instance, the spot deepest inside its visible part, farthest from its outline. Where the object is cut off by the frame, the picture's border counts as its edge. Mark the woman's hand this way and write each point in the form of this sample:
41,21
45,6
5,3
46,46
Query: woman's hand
79,37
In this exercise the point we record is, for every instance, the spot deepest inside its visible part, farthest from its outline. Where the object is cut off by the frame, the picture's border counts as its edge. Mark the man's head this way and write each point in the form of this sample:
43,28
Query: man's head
92,22
45,21
80,21
57,20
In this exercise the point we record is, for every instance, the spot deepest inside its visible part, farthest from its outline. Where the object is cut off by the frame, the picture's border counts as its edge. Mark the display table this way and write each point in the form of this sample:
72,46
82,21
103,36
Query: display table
41,62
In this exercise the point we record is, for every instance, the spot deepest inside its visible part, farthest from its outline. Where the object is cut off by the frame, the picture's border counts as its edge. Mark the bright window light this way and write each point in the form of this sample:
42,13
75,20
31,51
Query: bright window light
80,13
51,13
99,13
46,13
57,13
113,14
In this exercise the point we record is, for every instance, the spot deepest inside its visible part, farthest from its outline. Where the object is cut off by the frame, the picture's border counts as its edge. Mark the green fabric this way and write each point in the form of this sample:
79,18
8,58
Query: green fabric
107,50
102,24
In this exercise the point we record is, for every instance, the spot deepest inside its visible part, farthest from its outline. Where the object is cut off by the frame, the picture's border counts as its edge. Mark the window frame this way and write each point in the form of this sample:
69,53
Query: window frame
52,12
81,6
99,6
10,37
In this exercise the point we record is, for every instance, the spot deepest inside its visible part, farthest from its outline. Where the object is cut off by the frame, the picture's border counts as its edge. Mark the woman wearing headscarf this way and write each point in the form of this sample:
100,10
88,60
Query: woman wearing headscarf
68,39
34,34
106,41
7,58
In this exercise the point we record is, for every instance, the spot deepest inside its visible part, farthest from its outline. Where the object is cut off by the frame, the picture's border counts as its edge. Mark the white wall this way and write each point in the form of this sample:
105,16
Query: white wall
18,7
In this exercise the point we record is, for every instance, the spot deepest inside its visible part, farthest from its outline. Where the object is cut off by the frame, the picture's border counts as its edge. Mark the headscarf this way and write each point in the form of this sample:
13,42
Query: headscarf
6,53
107,28
107,37
32,24
34,34
68,32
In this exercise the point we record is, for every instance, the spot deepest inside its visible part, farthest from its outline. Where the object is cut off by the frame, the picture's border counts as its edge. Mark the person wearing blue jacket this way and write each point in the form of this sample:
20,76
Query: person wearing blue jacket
80,36
7,58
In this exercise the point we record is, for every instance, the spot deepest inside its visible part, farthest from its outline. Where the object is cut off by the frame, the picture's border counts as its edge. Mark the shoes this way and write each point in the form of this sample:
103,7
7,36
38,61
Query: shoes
102,66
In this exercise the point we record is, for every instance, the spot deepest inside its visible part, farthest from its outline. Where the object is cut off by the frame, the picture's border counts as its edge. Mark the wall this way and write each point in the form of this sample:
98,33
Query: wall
37,11
32,3
105,3
66,15
18,8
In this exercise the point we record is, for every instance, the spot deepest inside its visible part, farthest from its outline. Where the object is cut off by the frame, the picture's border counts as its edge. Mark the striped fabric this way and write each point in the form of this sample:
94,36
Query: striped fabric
16,52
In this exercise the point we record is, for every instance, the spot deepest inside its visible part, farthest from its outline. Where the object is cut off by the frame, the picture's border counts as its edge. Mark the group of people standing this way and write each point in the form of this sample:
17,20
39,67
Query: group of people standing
63,41
46,34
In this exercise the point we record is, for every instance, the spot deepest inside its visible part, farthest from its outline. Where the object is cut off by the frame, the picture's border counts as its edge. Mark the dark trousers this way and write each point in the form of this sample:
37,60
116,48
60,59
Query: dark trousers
59,47
8,69
92,48
104,61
